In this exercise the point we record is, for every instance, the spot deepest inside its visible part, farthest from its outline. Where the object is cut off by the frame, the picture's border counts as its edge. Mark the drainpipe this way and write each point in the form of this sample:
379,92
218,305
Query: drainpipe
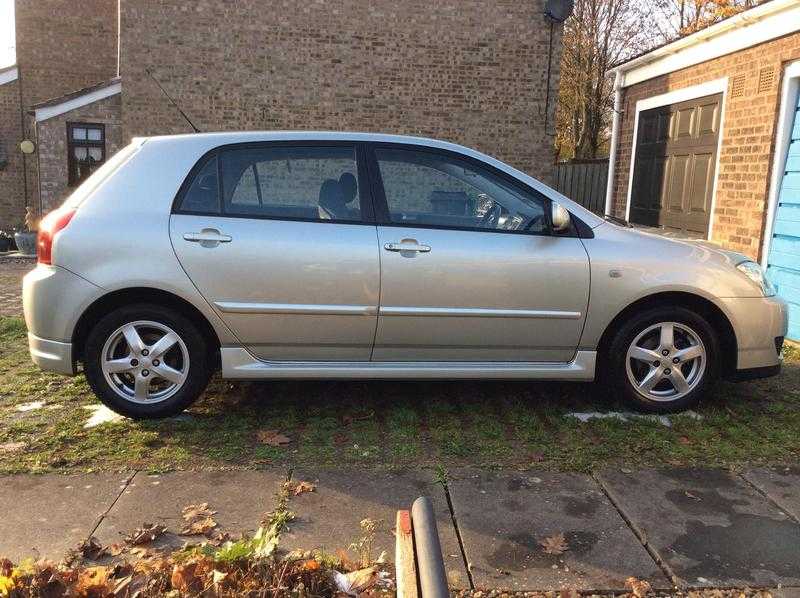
612,155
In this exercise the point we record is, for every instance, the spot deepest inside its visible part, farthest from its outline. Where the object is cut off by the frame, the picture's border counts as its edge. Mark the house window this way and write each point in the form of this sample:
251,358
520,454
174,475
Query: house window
86,144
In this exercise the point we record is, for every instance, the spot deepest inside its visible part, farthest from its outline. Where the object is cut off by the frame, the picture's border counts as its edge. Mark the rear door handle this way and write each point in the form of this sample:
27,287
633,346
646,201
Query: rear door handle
208,237
407,247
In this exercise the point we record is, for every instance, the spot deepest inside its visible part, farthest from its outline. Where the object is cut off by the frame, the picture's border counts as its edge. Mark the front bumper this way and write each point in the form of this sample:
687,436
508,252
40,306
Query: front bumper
51,355
757,322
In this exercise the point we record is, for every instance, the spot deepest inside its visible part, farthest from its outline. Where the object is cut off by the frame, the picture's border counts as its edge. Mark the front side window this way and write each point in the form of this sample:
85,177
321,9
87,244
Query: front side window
309,183
427,188
86,146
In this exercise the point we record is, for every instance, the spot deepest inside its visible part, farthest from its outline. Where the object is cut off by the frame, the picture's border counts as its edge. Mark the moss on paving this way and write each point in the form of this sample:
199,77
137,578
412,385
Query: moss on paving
387,424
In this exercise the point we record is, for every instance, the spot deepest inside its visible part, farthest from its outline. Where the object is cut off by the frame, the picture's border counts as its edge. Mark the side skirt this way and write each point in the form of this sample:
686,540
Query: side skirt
237,363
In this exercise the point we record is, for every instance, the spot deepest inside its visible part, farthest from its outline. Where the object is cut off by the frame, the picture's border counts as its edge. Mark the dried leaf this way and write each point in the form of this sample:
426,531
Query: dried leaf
273,438
555,544
310,565
115,549
638,587
199,527
193,512
145,534
356,582
93,581
185,578
91,549
298,488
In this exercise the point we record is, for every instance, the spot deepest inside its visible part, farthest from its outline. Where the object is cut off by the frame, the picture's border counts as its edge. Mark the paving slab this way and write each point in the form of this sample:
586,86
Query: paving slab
329,517
710,526
241,499
504,517
43,516
780,484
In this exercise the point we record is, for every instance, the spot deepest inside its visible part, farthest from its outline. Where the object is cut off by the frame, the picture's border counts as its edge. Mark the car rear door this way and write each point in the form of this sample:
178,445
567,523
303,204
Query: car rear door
280,240
469,269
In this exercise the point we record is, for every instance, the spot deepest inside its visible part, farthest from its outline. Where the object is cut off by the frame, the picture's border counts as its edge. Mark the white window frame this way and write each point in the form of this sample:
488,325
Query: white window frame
783,136
673,97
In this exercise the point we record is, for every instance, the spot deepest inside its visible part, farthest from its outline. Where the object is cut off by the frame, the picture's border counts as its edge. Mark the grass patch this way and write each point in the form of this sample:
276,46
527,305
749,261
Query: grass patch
386,424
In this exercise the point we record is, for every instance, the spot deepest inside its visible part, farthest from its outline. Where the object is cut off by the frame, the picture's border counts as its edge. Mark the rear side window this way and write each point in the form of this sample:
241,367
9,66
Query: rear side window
203,193
309,183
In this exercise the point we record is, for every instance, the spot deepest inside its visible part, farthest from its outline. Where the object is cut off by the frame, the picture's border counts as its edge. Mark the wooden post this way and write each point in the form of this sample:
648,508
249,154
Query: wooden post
405,566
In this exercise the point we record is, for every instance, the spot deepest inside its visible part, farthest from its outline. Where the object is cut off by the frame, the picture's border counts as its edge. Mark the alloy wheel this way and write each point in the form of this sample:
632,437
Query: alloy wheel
666,361
145,362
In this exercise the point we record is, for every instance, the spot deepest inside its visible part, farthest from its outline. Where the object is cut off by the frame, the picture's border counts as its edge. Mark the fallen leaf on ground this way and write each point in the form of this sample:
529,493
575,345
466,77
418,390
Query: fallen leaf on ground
198,527
684,440
273,438
555,544
92,581
692,496
185,578
638,587
193,512
11,447
356,582
91,549
115,549
298,488
145,534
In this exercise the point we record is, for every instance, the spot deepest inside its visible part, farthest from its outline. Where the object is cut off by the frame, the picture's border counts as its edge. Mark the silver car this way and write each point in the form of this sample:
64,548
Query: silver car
348,255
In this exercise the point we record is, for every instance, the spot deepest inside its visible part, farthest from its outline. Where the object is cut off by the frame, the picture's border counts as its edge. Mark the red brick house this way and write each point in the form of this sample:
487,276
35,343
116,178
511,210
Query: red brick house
92,74
706,140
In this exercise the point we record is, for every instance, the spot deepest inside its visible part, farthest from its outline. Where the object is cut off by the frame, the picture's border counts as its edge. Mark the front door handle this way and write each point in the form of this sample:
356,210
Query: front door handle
208,237
407,246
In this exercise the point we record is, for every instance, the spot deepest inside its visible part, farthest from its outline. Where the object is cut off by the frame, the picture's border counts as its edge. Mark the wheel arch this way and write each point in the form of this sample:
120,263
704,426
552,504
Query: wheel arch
708,309
128,296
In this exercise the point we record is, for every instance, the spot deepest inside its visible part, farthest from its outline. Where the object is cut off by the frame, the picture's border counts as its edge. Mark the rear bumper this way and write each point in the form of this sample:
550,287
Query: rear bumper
51,355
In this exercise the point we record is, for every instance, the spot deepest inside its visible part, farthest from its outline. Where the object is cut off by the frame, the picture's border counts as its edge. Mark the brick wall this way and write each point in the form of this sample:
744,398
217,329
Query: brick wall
12,194
52,145
469,71
62,46
748,135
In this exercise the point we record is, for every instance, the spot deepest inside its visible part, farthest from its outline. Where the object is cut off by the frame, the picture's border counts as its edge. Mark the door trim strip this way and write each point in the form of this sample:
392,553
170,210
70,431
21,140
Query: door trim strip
246,307
479,312
238,363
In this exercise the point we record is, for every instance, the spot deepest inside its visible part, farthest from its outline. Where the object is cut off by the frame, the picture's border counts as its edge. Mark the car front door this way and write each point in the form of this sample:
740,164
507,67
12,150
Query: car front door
470,271
280,240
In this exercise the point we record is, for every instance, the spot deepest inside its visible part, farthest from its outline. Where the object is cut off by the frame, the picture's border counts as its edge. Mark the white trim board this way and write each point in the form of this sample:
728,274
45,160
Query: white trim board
763,23
90,97
674,97
9,76
783,136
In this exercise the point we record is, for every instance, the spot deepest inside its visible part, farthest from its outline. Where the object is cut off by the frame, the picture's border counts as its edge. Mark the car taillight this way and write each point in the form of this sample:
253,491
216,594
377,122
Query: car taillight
49,227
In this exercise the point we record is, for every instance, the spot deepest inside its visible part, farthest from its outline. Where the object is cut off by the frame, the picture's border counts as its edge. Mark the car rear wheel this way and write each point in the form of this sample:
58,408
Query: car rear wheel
664,359
145,361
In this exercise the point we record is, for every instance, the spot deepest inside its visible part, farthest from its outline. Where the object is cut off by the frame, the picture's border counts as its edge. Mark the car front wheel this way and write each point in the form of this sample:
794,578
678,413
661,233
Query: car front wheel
664,360
146,361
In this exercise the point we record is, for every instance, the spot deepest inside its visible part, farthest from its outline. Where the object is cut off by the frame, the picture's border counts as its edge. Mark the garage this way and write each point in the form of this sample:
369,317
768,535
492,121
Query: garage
674,166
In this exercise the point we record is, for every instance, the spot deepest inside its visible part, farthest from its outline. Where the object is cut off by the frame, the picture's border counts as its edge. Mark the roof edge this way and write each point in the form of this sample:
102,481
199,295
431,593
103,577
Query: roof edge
712,42
9,74
76,99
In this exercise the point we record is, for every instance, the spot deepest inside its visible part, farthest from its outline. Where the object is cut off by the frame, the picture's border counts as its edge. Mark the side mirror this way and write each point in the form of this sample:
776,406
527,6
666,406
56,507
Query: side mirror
560,217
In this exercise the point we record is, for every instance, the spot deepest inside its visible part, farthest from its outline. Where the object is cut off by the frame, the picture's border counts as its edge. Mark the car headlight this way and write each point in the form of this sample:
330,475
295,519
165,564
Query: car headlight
754,272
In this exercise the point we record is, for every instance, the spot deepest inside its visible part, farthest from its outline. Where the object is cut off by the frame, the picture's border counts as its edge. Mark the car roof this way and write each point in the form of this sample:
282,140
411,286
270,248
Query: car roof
203,142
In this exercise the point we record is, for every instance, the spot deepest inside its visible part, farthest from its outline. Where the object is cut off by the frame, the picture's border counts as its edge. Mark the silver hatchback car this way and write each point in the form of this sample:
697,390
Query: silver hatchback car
349,255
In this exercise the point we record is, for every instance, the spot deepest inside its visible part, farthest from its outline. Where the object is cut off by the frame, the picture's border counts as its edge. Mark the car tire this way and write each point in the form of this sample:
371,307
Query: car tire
663,360
146,361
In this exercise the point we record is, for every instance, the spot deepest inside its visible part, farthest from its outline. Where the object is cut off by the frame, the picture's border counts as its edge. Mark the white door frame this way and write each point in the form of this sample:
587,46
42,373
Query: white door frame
783,137
673,97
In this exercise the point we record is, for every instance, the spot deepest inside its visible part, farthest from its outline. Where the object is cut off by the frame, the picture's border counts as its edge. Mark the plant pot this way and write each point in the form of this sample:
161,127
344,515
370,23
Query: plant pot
26,243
